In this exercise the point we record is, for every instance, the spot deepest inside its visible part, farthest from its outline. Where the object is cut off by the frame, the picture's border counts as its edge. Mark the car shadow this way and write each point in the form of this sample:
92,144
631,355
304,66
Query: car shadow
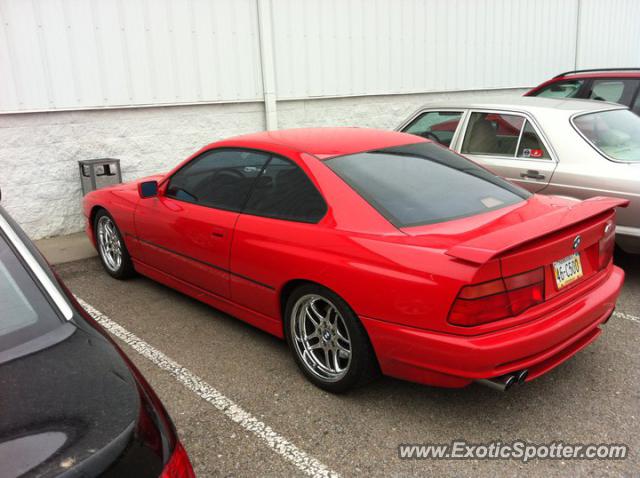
630,263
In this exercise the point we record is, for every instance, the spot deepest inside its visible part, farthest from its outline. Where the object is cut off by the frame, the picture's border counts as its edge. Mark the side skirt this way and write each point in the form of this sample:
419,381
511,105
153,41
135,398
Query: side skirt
261,321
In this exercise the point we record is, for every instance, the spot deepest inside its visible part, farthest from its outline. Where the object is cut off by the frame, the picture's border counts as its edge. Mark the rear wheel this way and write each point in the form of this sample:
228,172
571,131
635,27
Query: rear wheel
328,341
111,248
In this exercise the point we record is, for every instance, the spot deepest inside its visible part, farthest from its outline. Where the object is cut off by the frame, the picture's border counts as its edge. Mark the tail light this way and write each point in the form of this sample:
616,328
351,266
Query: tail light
607,244
178,465
498,299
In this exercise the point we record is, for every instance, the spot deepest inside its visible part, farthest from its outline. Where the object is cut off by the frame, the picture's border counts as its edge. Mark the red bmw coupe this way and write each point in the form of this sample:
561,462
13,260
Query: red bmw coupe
371,251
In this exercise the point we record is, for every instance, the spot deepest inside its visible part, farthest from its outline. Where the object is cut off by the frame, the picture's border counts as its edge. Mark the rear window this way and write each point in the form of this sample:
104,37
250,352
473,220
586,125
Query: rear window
424,183
615,134
25,313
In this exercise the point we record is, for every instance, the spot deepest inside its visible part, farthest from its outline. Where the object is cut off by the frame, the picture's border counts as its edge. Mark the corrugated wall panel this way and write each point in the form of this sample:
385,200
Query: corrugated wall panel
609,33
360,47
73,54
68,54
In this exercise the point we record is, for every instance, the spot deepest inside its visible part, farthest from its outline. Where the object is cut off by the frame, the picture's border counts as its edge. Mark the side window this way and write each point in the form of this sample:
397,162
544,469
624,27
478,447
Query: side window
494,134
561,89
531,147
218,178
616,90
436,125
284,191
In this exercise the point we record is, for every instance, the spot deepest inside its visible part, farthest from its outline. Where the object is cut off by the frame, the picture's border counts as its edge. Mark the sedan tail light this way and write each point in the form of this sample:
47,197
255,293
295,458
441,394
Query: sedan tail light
607,244
498,299
178,465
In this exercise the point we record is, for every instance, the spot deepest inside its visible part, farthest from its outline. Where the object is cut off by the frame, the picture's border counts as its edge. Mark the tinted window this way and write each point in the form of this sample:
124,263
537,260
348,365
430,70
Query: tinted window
492,134
218,178
616,90
616,133
636,105
436,125
284,191
424,183
561,89
25,313
531,147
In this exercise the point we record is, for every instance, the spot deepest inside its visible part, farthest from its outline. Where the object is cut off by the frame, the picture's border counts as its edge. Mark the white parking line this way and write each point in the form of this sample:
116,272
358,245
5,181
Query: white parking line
234,412
622,315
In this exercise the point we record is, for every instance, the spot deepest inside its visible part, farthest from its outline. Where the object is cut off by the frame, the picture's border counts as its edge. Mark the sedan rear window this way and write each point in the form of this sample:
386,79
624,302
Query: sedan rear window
25,313
424,183
615,134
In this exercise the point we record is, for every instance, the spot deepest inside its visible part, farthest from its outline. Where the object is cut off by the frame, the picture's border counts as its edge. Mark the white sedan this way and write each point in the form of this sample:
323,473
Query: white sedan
571,148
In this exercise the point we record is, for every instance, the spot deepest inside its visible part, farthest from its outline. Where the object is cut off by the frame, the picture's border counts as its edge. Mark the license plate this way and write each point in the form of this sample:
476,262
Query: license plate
567,270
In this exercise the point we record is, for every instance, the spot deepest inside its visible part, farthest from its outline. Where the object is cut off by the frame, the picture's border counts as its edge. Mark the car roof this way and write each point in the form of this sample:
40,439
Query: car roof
600,73
532,104
324,142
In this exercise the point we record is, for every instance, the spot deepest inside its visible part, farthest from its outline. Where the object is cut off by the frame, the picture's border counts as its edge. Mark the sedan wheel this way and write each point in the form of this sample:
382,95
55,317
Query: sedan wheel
112,249
327,339
110,245
321,337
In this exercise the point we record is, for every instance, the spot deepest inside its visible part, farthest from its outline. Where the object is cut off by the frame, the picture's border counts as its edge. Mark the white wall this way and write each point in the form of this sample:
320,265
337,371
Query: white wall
364,47
74,54
39,151
609,33
86,79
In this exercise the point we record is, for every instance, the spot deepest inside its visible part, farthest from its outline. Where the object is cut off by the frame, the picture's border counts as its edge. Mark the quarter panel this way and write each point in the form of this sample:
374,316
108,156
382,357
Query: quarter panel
378,278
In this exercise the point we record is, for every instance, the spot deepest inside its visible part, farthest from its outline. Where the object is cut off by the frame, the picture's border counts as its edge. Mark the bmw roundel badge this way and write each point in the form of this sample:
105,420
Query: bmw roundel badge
577,241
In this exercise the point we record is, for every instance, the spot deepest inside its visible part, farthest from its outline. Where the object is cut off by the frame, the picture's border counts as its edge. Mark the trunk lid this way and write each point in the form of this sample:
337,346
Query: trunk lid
544,240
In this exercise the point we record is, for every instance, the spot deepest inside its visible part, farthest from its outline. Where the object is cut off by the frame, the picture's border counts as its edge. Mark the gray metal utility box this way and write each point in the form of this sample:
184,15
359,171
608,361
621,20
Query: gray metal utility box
98,173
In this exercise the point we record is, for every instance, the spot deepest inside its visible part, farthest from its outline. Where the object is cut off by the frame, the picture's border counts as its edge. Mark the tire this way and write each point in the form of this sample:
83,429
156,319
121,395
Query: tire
112,250
336,355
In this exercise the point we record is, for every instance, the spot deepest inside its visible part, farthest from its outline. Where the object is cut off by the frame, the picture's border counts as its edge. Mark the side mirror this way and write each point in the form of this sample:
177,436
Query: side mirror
148,189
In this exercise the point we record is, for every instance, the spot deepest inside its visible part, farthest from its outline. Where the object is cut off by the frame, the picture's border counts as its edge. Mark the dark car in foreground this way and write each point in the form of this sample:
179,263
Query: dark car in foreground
619,85
71,403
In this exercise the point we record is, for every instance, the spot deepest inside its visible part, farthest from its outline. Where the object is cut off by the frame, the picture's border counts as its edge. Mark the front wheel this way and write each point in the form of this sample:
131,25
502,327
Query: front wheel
328,341
111,248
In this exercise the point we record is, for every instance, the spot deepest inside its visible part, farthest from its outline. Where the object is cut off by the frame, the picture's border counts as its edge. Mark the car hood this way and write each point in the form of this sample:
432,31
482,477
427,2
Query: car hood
65,403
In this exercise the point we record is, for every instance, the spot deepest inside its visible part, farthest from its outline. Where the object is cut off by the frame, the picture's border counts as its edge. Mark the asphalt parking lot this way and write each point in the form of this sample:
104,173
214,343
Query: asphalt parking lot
593,398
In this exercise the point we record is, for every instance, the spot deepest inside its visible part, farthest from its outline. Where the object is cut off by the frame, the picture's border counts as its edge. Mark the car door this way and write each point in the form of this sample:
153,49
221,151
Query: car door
275,235
186,231
509,144
441,125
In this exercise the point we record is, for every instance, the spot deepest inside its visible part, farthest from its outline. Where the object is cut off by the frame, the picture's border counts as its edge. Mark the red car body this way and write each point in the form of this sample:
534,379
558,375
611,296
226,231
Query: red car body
401,282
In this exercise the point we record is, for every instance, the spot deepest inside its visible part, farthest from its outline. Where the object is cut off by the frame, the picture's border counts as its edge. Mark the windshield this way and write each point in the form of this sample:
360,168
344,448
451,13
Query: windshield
615,134
25,313
424,183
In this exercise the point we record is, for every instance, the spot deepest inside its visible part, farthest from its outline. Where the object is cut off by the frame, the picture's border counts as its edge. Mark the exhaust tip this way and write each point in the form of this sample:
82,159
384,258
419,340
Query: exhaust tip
509,381
521,376
505,382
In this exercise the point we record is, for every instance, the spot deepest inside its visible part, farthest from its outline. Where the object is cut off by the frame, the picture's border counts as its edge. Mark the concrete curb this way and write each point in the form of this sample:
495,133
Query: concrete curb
61,249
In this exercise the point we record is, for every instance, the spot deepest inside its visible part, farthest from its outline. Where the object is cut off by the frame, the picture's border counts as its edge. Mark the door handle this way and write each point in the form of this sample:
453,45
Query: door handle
532,174
218,233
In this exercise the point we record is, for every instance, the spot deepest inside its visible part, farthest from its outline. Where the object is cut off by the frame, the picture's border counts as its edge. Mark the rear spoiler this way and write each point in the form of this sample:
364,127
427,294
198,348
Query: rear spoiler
484,248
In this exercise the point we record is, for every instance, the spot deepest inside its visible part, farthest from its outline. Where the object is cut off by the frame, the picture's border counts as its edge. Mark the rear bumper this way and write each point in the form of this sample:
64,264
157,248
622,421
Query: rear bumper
449,360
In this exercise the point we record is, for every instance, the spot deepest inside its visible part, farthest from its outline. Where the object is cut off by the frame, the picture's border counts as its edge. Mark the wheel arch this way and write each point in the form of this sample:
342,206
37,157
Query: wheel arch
92,220
291,285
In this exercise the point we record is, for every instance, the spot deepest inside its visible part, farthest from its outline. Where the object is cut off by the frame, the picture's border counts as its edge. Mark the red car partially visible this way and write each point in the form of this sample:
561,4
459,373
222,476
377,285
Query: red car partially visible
371,251
619,85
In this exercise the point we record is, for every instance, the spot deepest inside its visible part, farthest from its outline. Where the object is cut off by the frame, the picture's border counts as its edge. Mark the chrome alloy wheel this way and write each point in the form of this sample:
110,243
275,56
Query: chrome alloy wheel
109,243
321,337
